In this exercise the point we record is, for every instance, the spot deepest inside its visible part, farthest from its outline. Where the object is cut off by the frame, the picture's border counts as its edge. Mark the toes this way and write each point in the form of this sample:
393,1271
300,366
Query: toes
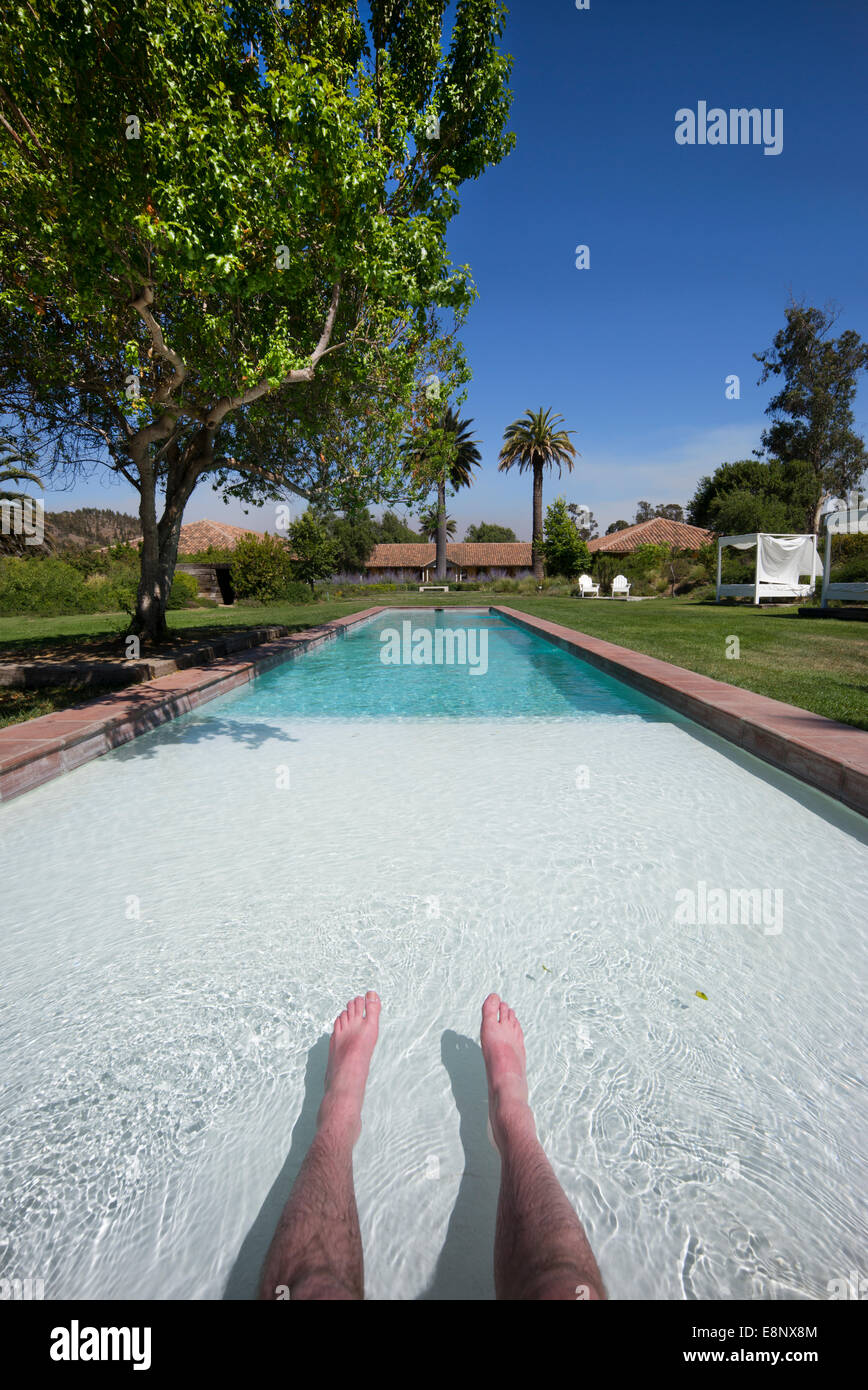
490,1008
357,1009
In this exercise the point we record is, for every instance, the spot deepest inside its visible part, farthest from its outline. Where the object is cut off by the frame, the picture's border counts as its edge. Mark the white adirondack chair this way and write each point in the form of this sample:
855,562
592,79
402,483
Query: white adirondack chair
620,586
587,586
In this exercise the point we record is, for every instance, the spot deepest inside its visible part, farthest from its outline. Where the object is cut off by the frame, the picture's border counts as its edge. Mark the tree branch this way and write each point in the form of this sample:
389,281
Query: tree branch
142,306
295,376
24,121
15,136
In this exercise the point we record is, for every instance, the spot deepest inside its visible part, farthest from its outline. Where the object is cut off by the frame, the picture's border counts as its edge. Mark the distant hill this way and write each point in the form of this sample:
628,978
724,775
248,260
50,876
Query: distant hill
90,526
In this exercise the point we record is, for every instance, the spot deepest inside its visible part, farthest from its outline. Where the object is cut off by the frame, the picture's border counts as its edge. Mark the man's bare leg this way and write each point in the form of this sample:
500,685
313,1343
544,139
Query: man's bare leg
540,1248
317,1250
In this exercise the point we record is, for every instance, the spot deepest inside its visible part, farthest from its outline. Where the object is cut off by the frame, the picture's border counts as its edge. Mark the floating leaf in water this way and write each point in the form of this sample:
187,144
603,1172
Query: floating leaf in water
700,995
546,969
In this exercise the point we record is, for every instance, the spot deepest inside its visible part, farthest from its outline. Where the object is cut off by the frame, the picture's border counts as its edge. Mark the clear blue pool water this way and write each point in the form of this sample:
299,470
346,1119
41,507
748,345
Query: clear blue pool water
183,918
526,677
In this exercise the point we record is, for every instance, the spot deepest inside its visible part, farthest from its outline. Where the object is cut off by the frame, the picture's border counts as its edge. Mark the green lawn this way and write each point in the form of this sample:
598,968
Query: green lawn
19,634
815,663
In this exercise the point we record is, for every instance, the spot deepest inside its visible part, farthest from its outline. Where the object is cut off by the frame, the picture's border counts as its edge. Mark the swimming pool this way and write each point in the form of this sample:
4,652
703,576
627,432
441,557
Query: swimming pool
184,917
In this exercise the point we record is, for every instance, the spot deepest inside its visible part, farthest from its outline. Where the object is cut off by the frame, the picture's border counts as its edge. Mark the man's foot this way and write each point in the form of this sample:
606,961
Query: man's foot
503,1050
350,1050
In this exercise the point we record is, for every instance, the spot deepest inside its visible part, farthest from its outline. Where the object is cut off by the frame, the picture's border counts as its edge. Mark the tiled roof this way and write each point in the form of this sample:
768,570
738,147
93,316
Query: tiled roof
199,535
410,555
657,531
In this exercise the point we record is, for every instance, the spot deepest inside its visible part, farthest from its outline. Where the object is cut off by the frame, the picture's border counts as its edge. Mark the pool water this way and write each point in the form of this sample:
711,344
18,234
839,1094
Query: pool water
183,918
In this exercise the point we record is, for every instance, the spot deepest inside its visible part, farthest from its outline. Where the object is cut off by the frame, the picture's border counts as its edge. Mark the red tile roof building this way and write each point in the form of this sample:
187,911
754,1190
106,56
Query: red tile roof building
417,560
200,535
657,531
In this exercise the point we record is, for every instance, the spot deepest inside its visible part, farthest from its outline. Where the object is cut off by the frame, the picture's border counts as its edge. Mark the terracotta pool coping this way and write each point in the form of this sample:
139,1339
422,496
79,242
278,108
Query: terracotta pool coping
827,755
40,749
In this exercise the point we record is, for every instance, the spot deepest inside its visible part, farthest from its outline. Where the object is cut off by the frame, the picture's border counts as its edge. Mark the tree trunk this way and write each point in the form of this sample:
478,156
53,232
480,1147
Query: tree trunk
159,558
814,522
537,521
160,538
440,571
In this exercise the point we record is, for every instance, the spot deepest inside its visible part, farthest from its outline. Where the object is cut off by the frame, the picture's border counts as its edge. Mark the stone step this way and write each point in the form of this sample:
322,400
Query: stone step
42,671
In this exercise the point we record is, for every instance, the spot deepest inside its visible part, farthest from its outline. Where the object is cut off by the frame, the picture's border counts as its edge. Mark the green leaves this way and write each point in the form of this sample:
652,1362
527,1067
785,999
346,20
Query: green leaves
563,548
233,166
814,408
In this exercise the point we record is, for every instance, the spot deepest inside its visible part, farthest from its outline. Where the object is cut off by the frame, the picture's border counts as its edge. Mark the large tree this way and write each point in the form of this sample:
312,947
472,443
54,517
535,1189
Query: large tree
814,407
392,530
216,218
536,441
584,521
353,537
669,511
751,495
488,532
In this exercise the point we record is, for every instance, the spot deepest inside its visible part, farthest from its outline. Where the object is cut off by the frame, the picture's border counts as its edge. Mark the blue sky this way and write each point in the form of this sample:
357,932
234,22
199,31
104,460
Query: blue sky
694,250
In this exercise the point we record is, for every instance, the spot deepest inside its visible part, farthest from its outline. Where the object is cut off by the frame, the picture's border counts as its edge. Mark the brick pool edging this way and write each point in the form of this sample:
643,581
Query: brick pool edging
39,750
827,755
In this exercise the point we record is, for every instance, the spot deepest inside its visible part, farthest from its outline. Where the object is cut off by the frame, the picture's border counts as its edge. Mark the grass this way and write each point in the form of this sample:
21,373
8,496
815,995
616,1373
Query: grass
18,705
20,635
814,663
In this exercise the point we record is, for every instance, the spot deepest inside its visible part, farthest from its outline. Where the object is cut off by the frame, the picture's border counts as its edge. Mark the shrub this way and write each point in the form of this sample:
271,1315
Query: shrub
849,558
646,558
261,569
184,591
48,585
86,562
852,571
123,595
297,592
604,568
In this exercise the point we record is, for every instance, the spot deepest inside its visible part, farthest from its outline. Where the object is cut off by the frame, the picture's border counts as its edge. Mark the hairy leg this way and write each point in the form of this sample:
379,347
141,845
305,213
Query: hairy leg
317,1249
540,1247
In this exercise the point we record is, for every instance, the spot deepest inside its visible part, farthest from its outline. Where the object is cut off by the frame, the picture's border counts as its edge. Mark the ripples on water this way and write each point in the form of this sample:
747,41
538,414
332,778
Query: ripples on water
180,930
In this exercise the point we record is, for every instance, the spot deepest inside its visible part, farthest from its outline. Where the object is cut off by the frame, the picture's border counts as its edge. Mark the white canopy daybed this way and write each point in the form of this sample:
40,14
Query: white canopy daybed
849,521
781,561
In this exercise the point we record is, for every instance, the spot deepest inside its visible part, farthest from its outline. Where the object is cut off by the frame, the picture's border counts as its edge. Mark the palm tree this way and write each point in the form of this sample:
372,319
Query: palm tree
11,471
536,442
448,451
429,522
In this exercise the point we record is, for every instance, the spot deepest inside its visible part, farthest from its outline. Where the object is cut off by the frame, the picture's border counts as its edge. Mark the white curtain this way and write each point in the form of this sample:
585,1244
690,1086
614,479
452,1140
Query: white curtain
782,560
